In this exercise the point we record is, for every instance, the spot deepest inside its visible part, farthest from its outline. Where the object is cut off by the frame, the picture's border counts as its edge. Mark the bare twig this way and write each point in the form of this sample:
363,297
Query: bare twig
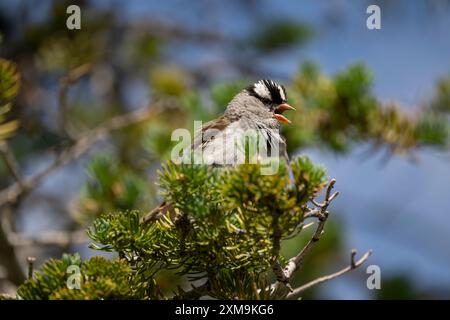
30,261
353,265
314,202
313,213
276,239
352,258
322,215
294,263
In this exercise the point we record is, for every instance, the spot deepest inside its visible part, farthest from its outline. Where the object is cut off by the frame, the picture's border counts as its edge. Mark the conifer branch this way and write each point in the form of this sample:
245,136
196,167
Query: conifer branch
13,193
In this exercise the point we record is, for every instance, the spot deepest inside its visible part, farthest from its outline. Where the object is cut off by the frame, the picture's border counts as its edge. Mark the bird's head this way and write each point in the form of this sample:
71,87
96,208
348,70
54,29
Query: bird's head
271,96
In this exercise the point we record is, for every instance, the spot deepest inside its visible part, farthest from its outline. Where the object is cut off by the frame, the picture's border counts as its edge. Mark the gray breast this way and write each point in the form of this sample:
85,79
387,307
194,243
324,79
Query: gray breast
230,146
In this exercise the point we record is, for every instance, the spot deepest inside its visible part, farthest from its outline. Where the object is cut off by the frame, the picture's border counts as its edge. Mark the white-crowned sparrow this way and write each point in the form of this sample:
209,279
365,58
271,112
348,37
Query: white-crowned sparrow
258,109
255,112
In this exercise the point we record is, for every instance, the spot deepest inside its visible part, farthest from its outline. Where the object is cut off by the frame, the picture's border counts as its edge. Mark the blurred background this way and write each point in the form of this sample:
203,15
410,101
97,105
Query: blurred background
373,109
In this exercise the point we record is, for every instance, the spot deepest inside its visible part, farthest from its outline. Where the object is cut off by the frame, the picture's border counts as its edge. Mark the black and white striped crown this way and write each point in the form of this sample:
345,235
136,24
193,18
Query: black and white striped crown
268,91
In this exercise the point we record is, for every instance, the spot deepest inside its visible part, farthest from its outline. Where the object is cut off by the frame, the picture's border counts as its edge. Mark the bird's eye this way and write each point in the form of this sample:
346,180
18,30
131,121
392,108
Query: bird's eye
269,92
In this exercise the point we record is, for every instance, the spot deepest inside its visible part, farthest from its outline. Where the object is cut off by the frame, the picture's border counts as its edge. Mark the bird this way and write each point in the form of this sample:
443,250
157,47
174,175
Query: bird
257,108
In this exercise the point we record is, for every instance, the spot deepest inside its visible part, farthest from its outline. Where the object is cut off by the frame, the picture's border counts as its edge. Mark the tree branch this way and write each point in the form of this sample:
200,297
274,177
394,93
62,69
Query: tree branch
313,213
295,262
353,265
83,143
276,246
11,194
8,256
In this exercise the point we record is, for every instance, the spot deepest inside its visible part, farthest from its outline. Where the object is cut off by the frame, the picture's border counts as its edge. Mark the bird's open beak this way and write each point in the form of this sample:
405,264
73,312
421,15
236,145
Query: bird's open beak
279,110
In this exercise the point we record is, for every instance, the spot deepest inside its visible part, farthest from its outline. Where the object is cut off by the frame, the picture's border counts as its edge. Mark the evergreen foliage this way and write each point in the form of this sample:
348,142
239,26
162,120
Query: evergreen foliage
227,226
9,88
98,278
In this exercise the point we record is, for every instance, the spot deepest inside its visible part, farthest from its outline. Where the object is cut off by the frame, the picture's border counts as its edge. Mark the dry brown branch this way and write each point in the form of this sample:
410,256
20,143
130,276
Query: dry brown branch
295,262
313,213
321,213
353,265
